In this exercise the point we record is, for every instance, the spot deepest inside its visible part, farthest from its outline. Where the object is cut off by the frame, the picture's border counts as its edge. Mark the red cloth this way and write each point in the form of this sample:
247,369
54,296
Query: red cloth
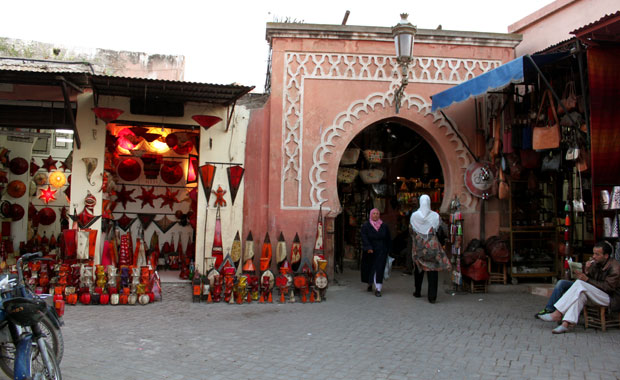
604,80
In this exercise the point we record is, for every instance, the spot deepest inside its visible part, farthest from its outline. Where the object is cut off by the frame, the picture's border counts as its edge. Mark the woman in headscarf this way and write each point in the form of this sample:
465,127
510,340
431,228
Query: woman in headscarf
427,252
376,245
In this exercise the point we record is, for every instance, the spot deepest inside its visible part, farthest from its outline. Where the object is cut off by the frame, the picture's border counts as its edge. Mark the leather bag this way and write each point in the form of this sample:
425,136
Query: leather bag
549,136
530,159
569,98
551,162
503,191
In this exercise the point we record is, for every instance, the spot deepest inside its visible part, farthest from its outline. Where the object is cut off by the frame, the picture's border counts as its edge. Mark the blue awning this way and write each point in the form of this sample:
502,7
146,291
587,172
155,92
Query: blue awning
514,71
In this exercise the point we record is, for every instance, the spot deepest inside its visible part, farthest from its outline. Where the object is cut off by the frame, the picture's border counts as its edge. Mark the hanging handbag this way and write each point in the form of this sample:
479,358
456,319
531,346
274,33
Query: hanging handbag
551,162
547,137
579,204
526,136
530,159
507,140
496,139
569,98
583,163
504,188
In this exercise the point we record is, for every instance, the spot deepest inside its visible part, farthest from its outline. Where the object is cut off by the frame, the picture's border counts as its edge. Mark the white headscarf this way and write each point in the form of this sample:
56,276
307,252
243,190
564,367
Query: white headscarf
424,219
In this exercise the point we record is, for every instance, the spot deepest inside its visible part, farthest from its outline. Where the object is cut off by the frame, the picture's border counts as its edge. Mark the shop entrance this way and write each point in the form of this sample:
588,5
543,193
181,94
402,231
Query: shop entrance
388,166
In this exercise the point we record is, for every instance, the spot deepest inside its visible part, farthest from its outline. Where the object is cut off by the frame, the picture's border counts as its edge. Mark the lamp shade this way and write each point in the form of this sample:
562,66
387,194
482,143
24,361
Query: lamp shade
404,35
107,114
206,121
57,179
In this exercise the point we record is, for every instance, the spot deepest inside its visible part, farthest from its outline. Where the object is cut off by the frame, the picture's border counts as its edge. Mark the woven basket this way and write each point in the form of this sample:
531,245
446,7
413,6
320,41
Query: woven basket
347,175
373,156
371,175
350,156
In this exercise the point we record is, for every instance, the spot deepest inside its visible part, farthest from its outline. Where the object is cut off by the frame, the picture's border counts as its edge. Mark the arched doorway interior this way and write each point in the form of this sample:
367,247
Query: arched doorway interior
408,168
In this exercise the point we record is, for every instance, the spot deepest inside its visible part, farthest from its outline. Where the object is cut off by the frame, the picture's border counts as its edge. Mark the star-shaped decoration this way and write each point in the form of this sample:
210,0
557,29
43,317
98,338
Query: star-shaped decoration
123,196
49,164
170,198
147,196
47,195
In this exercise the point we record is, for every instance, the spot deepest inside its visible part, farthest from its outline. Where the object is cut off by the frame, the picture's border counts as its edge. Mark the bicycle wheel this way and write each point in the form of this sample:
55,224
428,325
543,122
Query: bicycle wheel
38,369
53,336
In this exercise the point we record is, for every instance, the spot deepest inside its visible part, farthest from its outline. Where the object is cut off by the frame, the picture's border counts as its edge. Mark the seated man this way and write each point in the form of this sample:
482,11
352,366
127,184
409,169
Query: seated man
600,285
558,291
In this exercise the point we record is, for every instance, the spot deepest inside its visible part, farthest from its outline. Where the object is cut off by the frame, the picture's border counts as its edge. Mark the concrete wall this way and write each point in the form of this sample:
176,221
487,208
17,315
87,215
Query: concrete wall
102,61
553,23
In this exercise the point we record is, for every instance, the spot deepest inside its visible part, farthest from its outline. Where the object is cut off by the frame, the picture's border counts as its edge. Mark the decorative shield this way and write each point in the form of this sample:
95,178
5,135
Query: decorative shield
235,250
235,174
265,256
296,253
280,249
207,174
479,178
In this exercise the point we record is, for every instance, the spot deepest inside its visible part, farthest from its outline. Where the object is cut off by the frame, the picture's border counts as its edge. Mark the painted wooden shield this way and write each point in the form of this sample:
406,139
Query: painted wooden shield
207,174
235,174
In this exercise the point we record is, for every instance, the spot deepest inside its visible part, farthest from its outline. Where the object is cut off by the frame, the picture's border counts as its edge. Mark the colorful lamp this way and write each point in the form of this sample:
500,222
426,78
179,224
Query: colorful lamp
48,195
206,121
57,179
107,114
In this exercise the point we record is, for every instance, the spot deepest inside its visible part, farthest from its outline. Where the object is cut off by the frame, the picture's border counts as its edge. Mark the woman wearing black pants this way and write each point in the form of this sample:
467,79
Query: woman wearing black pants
427,253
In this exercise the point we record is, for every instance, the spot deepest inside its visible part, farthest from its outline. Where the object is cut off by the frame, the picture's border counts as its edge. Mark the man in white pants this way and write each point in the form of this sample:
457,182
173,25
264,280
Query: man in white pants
600,285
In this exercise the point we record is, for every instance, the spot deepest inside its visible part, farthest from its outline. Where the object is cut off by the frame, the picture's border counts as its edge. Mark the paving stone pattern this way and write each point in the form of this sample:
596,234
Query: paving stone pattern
353,335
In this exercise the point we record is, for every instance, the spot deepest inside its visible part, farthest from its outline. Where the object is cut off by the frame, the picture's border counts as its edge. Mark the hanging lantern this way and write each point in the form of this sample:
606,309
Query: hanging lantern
47,195
206,121
192,169
57,179
107,114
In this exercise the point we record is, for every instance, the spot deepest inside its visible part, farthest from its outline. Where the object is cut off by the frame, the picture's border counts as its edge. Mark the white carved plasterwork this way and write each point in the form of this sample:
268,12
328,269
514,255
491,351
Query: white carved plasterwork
300,66
347,119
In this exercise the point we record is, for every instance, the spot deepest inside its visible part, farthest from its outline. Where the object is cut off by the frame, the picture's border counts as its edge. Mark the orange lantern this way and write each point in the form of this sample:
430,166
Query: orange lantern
57,179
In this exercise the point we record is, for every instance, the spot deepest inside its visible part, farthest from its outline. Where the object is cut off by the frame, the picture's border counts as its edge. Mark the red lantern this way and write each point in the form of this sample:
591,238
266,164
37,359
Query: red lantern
104,299
85,298
206,121
59,305
99,290
107,114
124,299
112,290
151,296
72,298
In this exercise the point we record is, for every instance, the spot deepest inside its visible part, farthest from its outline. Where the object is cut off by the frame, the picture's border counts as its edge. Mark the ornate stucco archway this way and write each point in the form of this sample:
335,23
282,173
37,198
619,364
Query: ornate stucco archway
415,114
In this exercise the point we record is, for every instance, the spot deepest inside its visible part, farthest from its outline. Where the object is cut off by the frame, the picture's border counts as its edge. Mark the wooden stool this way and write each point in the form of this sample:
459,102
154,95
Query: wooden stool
500,277
475,286
600,317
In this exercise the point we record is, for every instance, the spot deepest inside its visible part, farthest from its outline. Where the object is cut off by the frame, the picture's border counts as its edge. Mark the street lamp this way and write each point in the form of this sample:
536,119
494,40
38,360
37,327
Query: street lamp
404,35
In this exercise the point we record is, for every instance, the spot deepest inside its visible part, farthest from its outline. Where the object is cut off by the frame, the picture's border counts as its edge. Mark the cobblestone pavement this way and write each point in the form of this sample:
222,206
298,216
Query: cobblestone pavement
353,335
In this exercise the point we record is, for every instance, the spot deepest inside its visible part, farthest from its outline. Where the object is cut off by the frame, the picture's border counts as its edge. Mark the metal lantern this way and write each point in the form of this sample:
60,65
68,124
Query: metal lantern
404,35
